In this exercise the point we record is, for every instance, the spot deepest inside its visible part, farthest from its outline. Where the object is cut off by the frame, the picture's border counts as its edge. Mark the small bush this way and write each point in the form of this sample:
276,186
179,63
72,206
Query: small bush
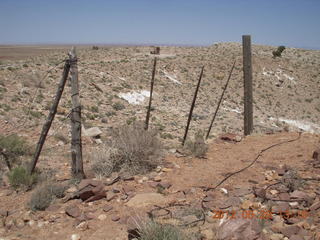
14,144
44,195
94,109
95,48
61,137
35,114
11,148
278,52
196,147
19,177
58,190
104,161
157,231
131,149
118,106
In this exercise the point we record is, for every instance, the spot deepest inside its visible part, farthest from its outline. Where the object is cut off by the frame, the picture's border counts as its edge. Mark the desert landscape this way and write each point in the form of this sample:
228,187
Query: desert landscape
143,183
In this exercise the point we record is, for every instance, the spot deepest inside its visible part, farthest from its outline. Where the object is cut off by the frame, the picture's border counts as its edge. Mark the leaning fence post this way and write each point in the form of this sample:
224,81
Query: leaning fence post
76,145
192,107
220,100
151,91
52,113
247,73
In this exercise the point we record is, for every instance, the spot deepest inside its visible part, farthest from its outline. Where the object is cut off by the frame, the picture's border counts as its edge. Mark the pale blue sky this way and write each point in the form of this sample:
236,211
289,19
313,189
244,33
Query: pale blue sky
195,22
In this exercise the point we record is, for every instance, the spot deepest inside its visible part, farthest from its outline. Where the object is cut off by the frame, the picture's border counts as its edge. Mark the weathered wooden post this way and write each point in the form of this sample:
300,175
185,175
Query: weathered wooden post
52,113
192,107
247,73
151,91
220,100
76,145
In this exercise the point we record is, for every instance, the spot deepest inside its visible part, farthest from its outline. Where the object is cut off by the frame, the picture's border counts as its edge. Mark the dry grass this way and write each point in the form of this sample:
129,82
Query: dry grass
156,231
132,149
196,146
44,195
20,178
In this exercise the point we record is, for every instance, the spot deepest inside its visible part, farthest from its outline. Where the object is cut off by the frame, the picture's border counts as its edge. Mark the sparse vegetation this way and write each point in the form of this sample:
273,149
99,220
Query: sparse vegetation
197,146
156,231
131,120
278,52
118,106
12,147
44,195
20,178
35,114
132,149
95,109
61,137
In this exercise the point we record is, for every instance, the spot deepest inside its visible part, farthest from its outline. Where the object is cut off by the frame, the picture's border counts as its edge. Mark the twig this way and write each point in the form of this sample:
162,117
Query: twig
203,219
253,162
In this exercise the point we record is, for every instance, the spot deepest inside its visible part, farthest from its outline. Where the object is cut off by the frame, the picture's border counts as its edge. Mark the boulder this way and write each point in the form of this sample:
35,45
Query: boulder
146,199
288,231
73,211
91,132
230,137
90,190
239,229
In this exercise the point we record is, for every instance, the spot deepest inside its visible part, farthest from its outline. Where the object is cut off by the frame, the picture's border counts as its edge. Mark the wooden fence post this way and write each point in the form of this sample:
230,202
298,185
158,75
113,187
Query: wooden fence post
76,145
192,107
151,91
52,113
247,73
220,100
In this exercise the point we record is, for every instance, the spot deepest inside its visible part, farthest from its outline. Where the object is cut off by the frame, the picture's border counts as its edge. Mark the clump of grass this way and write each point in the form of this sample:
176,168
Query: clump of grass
12,147
44,195
132,149
35,114
20,178
104,161
94,109
156,231
196,146
61,137
14,144
118,106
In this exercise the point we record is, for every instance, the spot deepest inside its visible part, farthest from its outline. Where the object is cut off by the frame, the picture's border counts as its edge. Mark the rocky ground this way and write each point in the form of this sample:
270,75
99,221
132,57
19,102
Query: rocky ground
276,198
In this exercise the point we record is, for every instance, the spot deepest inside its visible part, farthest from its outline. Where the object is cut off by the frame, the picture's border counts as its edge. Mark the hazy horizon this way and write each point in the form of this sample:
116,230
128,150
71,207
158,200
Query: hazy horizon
291,23
142,44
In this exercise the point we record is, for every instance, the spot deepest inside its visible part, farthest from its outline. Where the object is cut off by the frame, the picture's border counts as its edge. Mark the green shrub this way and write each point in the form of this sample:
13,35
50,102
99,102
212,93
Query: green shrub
35,114
131,120
132,149
157,231
110,113
19,177
12,147
197,146
118,106
278,52
94,109
42,197
14,144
